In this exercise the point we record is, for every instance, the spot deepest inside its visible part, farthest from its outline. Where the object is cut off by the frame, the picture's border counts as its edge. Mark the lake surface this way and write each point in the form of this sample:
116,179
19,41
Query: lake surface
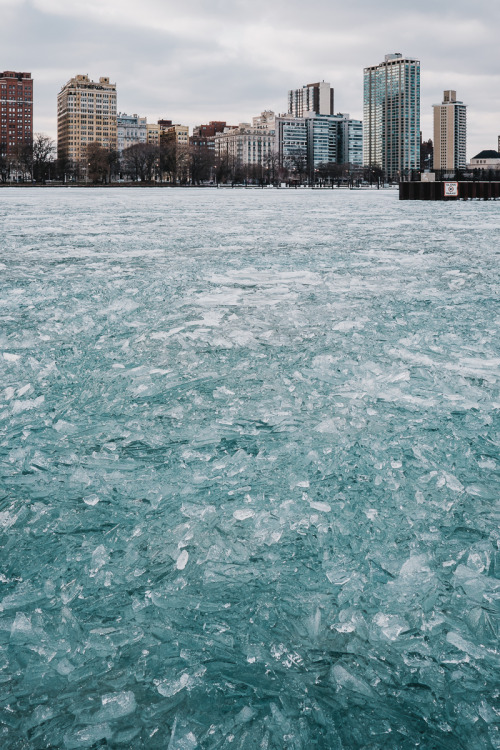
250,470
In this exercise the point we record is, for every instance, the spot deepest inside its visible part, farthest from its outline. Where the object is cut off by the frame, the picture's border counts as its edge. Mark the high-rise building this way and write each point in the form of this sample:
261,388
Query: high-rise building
16,111
291,142
450,133
86,113
391,115
322,140
350,141
318,139
130,129
314,97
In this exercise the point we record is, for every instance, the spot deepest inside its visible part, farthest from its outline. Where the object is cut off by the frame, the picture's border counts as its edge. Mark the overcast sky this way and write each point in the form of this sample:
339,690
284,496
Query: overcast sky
204,60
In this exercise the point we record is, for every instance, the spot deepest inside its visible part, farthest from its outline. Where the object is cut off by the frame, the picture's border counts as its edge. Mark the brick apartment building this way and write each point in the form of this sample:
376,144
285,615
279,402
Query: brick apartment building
16,111
203,135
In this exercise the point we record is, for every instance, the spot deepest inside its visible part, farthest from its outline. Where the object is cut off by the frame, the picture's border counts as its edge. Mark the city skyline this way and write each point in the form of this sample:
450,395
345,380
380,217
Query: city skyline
197,65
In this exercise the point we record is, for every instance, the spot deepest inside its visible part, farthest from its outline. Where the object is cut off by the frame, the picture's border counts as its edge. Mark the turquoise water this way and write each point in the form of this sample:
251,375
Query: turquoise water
250,470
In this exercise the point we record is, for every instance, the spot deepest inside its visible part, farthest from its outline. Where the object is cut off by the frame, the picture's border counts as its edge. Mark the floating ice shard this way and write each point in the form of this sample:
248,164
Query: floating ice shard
167,689
116,705
182,560
87,737
243,514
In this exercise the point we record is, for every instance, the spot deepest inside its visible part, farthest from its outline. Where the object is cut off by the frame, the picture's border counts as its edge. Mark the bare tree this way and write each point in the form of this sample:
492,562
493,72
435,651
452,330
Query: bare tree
168,158
43,152
201,163
96,162
22,160
174,160
298,167
273,168
139,160
224,168
4,167
113,164
64,166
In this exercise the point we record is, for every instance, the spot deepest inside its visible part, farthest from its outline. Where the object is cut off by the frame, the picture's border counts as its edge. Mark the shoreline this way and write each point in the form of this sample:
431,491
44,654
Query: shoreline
143,186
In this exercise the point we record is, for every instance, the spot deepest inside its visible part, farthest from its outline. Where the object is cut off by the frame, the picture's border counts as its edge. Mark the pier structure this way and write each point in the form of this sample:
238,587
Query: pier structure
449,191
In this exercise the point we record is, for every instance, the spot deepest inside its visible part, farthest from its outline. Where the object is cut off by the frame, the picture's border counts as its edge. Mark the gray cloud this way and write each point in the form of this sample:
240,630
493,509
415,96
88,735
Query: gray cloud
229,60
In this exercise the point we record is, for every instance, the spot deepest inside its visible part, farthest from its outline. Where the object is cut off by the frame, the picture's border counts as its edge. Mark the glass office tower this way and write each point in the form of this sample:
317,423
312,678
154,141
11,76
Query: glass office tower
391,115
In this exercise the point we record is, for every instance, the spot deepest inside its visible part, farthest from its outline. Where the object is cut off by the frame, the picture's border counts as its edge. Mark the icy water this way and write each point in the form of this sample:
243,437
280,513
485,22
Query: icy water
250,471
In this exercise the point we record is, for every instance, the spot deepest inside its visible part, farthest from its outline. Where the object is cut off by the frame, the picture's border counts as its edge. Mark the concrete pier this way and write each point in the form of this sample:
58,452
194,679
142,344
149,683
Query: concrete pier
449,191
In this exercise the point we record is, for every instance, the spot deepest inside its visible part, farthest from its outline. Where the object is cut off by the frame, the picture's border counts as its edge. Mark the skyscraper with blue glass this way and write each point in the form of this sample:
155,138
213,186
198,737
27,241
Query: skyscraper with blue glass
391,115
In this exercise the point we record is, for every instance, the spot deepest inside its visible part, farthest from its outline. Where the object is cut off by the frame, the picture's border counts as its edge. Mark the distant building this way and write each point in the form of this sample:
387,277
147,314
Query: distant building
322,139
319,139
487,159
130,129
349,141
314,97
247,144
170,133
264,121
291,141
86,113
153,133
391,115
204,135
450,133
16,111
426,154
201,133
174,142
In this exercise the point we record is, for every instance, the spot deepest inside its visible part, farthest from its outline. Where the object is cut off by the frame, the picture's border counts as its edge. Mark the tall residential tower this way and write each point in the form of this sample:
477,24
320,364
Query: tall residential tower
16,111
450,133
391,115
86,113
315,97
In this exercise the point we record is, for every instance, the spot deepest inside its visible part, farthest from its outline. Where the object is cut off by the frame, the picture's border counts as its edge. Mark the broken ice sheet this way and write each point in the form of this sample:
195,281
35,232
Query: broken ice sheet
249,470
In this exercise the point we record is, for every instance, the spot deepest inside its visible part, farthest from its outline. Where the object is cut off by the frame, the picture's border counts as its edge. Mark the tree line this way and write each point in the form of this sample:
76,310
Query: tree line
173,163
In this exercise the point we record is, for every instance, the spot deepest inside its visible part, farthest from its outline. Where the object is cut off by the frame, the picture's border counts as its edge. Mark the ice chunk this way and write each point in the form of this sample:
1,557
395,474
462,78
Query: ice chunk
415,566
463,645
100,557
87,737
116,705
323,507
169,688
21,625
246,714
182,560
345,679
243,514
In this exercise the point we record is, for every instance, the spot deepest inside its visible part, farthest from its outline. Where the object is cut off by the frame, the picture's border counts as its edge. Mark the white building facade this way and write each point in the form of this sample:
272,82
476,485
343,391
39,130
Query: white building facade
247,144
130,129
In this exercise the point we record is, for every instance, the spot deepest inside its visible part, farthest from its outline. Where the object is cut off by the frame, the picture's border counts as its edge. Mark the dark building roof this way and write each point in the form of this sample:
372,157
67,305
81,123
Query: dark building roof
488,154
